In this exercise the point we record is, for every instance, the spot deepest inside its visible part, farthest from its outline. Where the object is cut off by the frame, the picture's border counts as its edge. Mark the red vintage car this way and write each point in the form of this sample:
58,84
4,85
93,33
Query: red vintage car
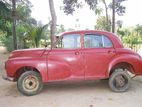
76,55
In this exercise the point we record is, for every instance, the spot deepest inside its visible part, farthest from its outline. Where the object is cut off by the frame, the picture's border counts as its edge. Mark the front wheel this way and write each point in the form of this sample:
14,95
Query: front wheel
30,83
119,81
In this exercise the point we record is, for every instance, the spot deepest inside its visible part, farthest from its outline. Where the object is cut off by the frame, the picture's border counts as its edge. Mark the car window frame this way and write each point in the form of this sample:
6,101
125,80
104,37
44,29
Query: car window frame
102,40
62,36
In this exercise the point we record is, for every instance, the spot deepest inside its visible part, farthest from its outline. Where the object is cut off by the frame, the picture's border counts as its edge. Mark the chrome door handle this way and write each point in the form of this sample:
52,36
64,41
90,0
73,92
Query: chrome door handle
110,51
76,53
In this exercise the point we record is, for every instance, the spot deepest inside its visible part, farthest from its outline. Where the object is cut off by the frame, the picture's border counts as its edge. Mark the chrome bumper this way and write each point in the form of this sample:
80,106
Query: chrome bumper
5,77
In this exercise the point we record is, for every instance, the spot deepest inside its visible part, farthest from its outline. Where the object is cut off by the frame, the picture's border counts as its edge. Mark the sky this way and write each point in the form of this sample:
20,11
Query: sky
87,18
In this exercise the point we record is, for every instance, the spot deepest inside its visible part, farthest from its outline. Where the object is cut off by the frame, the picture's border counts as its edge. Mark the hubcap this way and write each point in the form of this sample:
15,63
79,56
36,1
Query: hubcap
120,81
30,83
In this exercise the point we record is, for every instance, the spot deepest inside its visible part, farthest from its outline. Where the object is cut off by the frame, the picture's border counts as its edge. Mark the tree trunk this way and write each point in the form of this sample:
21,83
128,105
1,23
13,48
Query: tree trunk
106,11
53,22
14,24
107,17
113,16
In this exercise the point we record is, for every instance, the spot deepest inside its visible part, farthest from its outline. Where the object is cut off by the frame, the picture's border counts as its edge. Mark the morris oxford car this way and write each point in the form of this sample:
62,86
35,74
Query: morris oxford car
76,55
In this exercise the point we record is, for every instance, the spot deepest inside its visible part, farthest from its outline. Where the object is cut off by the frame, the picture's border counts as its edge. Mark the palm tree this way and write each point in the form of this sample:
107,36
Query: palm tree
36,33
106,10
53,22
14,24
113,16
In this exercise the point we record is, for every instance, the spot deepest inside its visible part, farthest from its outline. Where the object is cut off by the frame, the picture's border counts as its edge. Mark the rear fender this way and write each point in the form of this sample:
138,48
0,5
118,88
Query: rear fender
133,60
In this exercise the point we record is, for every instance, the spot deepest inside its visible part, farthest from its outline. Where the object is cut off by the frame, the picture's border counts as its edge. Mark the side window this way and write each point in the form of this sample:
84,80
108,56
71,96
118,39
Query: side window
97,41
107,42
93,41
71,41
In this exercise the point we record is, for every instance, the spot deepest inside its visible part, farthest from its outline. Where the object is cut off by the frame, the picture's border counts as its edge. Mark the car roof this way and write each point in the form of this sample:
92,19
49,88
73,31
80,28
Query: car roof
85,31
112,36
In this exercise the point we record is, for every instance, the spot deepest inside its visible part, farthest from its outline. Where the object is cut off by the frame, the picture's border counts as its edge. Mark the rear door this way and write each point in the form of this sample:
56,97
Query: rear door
98,51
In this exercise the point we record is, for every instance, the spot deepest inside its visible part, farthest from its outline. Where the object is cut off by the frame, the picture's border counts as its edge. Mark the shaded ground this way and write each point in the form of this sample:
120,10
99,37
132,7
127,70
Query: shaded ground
88,94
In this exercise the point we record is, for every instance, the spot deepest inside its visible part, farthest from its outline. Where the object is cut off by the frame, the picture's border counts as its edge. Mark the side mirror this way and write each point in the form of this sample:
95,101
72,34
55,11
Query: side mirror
45,45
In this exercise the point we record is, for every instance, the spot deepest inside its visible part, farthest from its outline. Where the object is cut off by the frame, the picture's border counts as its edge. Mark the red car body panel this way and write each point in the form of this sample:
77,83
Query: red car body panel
74,64
98,59
65,65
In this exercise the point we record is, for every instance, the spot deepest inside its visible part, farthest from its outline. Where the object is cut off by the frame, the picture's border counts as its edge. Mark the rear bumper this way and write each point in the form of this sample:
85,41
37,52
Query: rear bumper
5,77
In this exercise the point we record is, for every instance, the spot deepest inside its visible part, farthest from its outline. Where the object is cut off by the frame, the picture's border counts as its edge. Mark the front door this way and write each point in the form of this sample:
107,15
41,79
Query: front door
98,51
65,61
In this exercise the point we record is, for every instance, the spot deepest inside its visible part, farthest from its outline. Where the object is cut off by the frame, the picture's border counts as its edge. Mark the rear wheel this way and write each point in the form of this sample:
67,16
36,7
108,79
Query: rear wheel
119,81
30,83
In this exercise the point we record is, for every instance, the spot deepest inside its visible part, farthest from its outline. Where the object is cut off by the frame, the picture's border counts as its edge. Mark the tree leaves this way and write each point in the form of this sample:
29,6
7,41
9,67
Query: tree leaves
92,4
102,24
70,6
119,8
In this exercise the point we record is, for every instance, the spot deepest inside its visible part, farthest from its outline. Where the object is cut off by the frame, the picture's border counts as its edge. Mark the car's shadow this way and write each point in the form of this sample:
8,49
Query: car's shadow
99,84
10,89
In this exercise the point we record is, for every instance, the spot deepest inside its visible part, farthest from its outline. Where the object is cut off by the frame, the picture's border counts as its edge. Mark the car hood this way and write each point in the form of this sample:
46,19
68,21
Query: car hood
36,52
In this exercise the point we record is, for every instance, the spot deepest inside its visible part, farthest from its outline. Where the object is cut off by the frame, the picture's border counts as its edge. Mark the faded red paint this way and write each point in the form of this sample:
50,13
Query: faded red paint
74,64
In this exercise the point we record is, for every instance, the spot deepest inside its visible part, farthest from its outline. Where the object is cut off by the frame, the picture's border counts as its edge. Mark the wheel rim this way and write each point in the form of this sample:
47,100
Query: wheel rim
30,83
120,81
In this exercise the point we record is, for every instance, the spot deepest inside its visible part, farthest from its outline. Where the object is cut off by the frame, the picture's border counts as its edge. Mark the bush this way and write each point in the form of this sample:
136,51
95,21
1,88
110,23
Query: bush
8,42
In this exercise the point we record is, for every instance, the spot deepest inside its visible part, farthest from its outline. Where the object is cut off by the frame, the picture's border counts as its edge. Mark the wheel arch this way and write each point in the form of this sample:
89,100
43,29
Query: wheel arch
123,65
23,69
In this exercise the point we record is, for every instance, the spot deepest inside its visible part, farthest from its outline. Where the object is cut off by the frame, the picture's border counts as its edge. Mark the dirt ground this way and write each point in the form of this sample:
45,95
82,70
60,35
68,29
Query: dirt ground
88,94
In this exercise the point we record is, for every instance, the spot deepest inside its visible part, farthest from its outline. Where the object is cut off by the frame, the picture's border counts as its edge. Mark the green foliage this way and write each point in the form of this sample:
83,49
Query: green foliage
4,10
60,29
36,33
130,36
7,42
120,9
27,31
102,24
23,12
138,29
98,11
71,5
131,39
121,33
5,17
21,30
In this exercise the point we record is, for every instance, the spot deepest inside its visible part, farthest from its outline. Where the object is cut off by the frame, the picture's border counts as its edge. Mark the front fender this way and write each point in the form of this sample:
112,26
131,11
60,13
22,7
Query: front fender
133,60
14,64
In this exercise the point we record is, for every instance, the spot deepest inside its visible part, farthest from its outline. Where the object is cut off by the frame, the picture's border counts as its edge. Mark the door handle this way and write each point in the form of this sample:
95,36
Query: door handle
76,53
111,51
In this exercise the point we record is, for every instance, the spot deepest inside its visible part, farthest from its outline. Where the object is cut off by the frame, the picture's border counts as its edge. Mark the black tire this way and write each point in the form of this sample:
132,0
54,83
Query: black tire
30,83
119,81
